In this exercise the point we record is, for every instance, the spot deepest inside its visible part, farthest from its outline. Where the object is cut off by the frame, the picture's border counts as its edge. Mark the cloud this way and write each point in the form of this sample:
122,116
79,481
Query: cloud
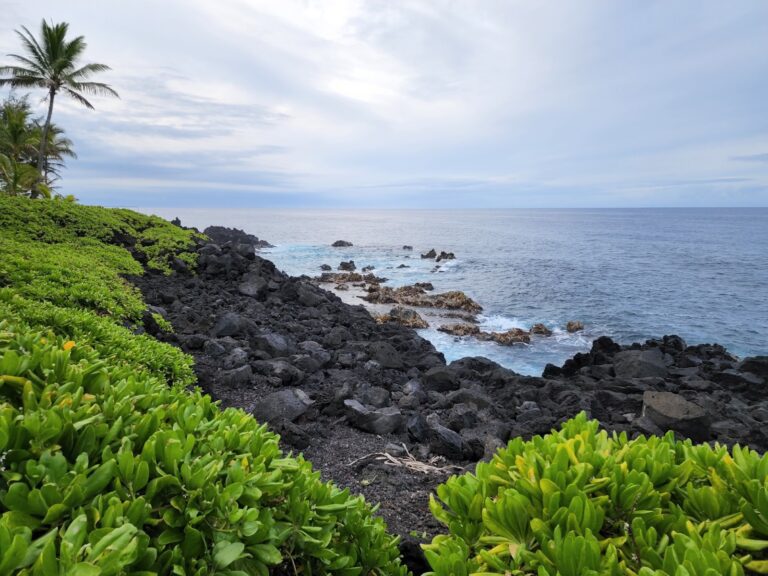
374,103
752,158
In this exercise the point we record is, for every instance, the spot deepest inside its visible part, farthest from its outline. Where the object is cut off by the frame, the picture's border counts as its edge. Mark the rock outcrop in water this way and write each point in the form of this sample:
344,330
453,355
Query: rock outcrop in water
418,297
339,386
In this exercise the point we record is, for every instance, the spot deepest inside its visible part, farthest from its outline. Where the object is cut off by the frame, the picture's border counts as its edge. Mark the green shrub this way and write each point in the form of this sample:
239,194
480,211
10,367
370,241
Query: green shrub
581,502
107,470
113,343
83,274
64,222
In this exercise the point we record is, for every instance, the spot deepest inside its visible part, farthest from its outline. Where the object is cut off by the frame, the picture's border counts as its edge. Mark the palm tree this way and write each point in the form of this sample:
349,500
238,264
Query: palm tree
53,64
56,149
17,140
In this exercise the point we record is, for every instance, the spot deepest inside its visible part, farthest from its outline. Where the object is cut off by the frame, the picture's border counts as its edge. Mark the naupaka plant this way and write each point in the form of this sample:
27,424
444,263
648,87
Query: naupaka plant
580,501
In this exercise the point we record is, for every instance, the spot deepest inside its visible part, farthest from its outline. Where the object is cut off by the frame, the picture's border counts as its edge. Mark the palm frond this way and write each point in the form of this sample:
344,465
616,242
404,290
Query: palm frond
33,67
23,81
73,49
95,88
78,97
85,71
29,41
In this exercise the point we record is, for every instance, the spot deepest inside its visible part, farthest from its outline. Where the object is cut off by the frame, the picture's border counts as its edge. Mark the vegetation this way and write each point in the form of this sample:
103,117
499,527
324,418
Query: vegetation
581,502
20,136
110,462
53,64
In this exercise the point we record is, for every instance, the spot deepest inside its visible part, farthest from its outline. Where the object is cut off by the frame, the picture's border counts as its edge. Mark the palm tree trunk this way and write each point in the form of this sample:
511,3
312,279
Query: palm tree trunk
44,142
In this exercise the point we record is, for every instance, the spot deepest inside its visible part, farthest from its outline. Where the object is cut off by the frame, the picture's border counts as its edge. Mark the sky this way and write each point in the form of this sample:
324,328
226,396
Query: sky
415,104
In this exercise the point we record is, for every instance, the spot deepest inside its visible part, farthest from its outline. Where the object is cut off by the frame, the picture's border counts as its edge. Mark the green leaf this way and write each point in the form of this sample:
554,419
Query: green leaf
224,553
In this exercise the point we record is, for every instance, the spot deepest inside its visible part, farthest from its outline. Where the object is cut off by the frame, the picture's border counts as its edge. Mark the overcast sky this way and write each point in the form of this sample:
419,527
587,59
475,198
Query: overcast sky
417,103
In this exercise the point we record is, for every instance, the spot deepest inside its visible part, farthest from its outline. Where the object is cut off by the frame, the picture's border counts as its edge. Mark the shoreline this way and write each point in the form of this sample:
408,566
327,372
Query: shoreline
341,388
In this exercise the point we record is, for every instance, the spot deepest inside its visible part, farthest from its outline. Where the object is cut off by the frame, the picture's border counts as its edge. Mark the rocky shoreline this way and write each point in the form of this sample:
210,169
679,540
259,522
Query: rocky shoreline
375,407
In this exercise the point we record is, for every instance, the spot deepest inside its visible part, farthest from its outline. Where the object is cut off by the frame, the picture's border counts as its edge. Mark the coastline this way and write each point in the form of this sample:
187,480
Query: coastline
340,387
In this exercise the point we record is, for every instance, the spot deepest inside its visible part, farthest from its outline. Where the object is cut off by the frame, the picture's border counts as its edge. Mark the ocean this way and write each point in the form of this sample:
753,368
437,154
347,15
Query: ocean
631,274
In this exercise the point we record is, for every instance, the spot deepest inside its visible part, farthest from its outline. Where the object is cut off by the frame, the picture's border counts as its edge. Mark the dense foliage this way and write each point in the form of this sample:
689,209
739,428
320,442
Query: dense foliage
109,470
110,462
20,136
581,502
51,62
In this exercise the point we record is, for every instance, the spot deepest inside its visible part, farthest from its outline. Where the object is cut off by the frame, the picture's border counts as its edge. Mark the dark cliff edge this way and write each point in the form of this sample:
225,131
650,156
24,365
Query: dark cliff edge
376,408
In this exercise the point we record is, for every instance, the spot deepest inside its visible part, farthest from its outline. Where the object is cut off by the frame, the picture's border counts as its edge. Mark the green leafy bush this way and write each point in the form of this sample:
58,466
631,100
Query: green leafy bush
156,239
112,343
83,274
581,502
107,470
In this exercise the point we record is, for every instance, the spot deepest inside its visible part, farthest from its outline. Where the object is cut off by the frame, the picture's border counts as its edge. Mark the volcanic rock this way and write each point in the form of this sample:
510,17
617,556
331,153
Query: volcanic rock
381,421
341,244
459,329
640,364
673,412
287,404
541,330
405,317
574,326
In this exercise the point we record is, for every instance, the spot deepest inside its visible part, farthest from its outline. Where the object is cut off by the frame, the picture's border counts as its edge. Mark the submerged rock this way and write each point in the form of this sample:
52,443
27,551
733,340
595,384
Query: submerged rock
513,336
574,326
416,296
540,330
459,329
341,244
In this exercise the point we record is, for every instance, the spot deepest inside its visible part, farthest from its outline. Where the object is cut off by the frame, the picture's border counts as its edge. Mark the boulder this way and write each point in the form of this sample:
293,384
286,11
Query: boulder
310,296
231,324
673,412
284,373
640,364
540,330
386,355
341,244
237,377
405,317
274,344
287,404
235,359
381,421
443,440
417,428
574,326
445,256
508,338
734,377
440,379
459,329
253,285
375,396
325,267
757,365
431,254
222,235
407,247
347,266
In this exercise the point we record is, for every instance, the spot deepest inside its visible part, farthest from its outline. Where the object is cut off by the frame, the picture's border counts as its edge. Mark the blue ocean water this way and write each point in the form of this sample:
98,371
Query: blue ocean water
630,274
